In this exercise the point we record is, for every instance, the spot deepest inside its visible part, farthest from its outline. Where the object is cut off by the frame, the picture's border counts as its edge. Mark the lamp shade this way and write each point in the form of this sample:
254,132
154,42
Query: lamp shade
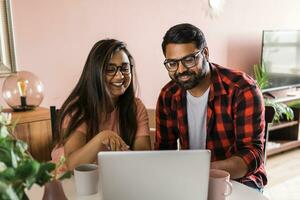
23,91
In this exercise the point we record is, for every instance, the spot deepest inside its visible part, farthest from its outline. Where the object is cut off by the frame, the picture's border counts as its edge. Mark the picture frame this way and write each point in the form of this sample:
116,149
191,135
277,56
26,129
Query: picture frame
7,46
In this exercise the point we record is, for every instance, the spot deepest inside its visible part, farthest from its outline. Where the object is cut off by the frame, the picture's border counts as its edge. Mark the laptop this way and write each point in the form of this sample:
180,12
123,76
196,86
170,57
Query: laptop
154,175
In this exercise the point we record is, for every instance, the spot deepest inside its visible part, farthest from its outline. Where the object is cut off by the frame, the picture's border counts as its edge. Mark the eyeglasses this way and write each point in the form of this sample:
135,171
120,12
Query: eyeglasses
187,61
112,69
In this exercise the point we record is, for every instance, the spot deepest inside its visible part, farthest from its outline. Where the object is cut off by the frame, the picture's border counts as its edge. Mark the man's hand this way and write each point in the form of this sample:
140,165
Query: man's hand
235,165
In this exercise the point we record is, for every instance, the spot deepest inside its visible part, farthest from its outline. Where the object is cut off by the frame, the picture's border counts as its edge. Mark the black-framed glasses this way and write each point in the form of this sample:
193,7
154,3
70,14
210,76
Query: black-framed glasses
112,69
188,61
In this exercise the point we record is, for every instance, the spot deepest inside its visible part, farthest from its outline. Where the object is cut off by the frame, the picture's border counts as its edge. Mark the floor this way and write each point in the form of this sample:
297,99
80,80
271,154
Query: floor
283,172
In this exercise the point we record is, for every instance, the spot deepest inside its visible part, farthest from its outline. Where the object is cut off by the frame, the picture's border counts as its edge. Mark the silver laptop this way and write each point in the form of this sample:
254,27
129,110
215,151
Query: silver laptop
154,175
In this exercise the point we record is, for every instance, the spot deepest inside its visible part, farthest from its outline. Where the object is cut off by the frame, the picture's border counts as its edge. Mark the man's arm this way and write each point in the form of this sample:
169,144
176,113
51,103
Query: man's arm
249,130
235,165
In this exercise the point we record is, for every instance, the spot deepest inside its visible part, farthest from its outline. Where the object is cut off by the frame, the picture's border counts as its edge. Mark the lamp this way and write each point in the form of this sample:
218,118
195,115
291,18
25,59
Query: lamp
22,86
23,91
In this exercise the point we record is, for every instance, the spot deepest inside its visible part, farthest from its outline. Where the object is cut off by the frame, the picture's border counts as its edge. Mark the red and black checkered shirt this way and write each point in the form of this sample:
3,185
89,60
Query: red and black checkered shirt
235,120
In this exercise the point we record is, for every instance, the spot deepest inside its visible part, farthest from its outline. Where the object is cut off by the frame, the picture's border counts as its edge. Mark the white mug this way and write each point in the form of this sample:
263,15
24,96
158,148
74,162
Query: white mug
86,179
219,185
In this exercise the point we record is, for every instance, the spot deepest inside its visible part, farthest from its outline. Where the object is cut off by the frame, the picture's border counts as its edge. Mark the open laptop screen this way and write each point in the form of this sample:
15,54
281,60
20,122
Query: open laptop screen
154,175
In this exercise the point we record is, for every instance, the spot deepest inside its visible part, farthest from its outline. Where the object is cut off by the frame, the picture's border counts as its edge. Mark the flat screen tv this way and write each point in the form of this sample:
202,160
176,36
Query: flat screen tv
281,57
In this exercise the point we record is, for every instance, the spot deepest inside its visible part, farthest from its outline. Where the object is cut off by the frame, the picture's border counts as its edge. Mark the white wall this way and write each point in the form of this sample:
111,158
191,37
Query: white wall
54,37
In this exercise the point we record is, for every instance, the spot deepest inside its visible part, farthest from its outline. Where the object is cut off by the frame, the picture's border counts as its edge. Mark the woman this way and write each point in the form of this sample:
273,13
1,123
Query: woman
102,112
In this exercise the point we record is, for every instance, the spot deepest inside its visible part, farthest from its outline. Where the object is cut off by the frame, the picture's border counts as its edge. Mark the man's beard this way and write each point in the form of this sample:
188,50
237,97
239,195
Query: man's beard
195,78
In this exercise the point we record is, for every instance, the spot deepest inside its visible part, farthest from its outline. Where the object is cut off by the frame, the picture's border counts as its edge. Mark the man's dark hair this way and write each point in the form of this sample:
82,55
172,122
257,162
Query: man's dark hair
184,33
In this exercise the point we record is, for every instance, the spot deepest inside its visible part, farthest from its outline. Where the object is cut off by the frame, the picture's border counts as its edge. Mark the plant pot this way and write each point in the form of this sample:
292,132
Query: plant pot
54,191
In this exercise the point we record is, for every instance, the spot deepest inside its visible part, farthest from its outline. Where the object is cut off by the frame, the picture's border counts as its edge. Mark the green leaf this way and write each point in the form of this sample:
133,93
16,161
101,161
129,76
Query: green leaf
2,166
28,169
19,189
44,175
7,192
65,175
261,75
21,146
6,142
281,110
5,156
4,132
8,174
30,181
14,159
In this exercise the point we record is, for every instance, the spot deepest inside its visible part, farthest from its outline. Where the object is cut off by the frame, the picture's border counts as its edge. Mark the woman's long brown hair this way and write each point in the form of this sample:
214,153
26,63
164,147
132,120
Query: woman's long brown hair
90,98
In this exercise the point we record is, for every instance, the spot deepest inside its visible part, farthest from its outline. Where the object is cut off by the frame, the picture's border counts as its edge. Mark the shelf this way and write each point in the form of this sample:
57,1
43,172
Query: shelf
284,135
283,145
280,125
287,98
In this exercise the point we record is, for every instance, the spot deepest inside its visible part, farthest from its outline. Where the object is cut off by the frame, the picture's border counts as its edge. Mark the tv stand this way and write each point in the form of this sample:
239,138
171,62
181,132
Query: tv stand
293,94
284,135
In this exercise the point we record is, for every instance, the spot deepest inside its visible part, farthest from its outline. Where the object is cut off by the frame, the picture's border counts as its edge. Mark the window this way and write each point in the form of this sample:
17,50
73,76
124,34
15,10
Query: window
7,50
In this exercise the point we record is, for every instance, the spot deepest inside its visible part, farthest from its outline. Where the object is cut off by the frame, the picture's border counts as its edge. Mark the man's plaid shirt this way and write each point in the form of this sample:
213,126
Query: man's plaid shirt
235,120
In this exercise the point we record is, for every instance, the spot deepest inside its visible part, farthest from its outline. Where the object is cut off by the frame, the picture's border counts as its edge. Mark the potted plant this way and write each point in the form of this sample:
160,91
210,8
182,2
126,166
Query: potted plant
282,111
18,170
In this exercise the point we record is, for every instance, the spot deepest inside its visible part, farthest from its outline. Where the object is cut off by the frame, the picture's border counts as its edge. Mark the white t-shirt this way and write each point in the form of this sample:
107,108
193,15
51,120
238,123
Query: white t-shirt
197,114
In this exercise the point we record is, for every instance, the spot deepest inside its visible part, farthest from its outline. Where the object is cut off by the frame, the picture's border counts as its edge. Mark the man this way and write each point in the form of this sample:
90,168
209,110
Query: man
207,106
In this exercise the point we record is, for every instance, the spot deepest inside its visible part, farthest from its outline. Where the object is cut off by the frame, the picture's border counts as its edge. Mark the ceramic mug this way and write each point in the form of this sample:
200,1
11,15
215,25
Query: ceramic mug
86,179
219,185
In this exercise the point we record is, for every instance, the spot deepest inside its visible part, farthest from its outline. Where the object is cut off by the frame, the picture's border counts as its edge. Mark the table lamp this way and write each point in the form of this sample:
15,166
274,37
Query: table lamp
23,91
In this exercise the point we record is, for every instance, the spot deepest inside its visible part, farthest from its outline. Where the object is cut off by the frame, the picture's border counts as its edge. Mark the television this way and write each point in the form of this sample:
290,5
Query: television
281,58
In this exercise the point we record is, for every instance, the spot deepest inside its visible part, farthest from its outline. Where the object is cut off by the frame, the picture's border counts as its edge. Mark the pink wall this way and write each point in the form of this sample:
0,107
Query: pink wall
54,37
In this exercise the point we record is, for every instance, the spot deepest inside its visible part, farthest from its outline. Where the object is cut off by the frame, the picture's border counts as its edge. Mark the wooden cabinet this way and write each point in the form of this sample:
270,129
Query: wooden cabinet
34,127
285,135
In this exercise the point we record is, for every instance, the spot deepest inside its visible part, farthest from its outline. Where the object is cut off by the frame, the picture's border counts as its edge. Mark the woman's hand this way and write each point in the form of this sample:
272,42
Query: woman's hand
111,141
79,151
